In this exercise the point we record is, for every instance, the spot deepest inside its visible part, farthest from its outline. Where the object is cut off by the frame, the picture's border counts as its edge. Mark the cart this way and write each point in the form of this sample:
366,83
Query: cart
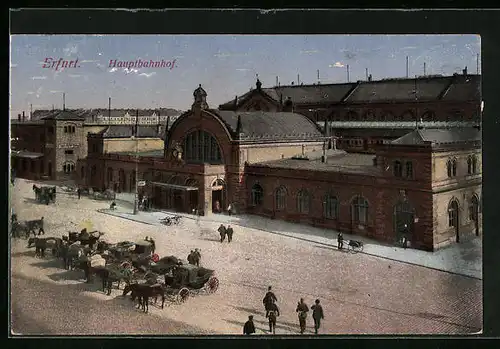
354,246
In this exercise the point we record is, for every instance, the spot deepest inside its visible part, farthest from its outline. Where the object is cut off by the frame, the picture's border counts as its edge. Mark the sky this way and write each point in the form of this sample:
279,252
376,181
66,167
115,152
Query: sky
225,65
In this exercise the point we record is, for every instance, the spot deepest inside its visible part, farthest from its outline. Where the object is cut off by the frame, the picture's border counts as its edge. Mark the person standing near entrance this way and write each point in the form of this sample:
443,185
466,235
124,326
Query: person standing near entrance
79,192
229,232
229,210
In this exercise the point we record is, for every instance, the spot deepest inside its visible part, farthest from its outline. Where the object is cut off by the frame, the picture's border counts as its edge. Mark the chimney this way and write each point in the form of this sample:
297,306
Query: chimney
24,117
18,117
465,71
238,127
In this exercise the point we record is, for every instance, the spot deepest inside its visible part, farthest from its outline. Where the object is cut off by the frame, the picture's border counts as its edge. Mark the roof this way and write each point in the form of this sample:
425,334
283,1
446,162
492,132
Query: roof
396,124
456,87
399,90
63,115
127,131
26,154
28,122
464,88
270,125
340,161
439,136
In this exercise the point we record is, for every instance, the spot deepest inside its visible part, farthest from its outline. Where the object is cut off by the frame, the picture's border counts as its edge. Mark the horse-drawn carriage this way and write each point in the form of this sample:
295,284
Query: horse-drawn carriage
354,246
45,195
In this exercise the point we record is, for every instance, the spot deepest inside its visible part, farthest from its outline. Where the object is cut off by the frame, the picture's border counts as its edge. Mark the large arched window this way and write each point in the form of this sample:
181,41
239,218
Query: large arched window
472,164
331,207
359,210
280,198
451,167
303,201
453,213
257,195
473,208
200,146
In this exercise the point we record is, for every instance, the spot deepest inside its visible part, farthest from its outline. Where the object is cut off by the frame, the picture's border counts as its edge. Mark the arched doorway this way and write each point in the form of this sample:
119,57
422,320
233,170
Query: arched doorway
404,218
193,202
218,197
453,218
175,198
474,213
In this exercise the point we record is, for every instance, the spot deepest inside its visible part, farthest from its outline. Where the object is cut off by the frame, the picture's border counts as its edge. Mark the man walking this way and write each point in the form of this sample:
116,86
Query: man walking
269,300
274,312
249,327
229,210
79,192
197,257
302,310
317,315
222,232
229,232
340,241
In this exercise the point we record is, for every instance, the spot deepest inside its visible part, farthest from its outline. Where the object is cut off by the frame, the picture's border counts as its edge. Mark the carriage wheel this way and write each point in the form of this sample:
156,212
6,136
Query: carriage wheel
212,284
183,295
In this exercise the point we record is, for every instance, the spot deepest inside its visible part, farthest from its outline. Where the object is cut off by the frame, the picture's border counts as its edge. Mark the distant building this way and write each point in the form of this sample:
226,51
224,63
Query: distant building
424,185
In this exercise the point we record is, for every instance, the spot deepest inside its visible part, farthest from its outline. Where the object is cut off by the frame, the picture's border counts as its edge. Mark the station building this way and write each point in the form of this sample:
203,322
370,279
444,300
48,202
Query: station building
425,184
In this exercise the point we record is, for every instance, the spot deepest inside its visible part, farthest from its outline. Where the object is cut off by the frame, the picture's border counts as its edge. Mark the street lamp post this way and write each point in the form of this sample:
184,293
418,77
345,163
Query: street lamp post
136,196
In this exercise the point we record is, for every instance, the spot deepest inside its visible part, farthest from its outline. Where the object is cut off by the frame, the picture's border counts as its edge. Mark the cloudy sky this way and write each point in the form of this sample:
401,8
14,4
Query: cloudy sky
224,65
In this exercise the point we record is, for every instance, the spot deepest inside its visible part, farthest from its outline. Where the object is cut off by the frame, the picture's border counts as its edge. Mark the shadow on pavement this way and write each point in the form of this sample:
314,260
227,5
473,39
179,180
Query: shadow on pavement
48,263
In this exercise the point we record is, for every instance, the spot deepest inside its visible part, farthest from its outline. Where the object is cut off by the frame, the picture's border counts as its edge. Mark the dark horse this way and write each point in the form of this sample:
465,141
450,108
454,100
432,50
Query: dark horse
143,292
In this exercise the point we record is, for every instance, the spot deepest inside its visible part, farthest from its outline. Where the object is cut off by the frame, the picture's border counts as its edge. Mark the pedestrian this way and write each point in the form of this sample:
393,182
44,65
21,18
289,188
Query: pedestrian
229,210
317,315
79,192
190,257
249,327
274,312
197,257
340,241
112,206
229,232
302,310
222,232
269,300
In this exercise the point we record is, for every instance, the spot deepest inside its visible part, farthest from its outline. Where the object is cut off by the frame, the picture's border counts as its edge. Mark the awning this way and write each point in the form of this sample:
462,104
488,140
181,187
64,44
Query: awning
26,154
174,186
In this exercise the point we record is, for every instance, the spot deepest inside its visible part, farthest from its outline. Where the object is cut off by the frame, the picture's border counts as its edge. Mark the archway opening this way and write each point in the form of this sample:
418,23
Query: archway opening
193,202
453,218
404,218
218,197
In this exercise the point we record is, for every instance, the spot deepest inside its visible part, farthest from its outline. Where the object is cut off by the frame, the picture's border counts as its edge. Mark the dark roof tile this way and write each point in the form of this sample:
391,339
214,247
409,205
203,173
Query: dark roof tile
270,125
439,136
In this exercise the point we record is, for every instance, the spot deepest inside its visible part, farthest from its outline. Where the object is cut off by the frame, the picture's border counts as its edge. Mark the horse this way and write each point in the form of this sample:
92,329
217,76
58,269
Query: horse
143,292
41,244
32,225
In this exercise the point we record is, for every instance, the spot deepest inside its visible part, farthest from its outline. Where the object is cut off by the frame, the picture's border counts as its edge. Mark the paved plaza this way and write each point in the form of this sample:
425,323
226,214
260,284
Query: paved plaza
379,291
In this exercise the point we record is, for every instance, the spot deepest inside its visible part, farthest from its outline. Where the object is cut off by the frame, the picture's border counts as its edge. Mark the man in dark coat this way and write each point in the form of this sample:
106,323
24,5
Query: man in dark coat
340,241
222,232
269,300
79,192
249,327
190,257
229,232
317,315
274,312
302,310
197,257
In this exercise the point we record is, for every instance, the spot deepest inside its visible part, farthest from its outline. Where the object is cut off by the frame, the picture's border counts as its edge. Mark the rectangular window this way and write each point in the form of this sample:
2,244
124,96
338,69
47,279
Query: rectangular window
409,169
68,152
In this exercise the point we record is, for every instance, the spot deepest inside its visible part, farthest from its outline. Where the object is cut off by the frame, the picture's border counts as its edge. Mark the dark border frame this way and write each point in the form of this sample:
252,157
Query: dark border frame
176,21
